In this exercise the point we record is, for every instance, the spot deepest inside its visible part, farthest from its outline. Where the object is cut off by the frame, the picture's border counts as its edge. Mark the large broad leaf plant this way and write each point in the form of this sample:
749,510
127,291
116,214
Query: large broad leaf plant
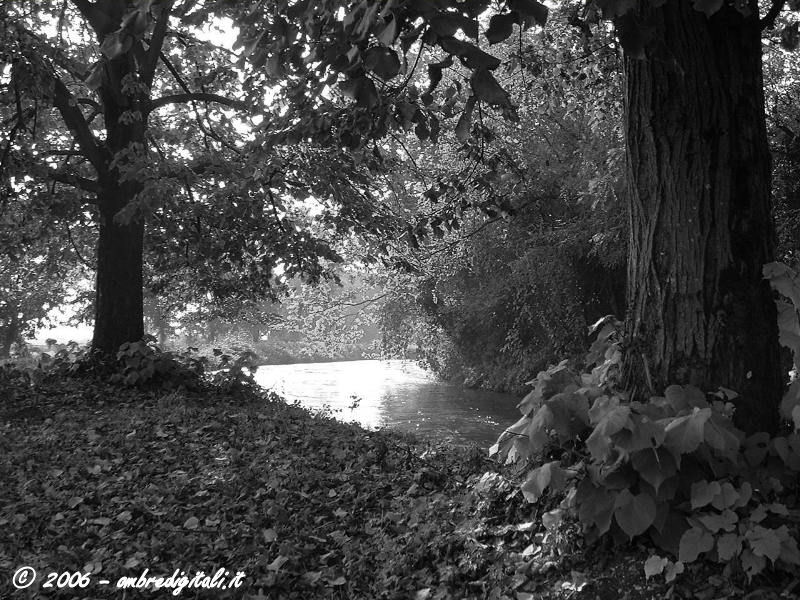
673,468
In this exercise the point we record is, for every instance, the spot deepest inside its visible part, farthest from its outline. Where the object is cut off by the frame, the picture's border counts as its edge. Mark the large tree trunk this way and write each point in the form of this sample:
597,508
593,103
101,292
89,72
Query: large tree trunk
119,306
699,311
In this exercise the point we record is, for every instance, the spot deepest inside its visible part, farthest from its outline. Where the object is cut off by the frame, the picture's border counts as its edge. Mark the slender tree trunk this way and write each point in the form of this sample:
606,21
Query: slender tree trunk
699,311
6,341
10,333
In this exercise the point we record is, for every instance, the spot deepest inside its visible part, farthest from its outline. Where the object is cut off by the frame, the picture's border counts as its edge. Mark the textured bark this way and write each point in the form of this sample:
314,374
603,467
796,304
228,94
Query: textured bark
118,307
119,312
699,311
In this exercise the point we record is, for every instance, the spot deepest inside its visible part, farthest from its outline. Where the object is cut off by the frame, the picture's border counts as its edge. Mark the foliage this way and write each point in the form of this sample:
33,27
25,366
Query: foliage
674,467
498,294
142,364
786,282
140,109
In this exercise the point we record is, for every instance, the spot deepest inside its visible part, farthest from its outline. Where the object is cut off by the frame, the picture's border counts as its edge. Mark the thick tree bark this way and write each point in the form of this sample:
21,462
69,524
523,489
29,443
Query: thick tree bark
119,305
699,311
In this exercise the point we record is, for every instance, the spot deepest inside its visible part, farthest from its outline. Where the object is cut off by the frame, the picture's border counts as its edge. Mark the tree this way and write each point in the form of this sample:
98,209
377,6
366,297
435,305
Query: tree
700,311
157,130
699,178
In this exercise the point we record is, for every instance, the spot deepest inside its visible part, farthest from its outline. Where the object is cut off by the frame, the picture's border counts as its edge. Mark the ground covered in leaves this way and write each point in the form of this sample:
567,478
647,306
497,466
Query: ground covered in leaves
111,481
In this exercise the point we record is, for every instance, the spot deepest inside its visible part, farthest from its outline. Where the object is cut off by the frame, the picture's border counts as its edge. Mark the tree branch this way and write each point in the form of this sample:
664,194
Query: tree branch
171,68
62,153
74,119
96,18
156,42
768,22
83,183
200,96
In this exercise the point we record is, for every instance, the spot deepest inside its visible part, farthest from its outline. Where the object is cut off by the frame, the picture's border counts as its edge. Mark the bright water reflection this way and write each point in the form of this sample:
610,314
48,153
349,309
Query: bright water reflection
394,393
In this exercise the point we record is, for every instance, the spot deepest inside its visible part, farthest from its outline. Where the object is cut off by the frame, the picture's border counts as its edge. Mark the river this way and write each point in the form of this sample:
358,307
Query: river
396,394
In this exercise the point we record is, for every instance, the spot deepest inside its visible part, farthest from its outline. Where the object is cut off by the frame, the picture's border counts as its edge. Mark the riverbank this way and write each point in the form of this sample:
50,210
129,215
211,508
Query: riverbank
112,481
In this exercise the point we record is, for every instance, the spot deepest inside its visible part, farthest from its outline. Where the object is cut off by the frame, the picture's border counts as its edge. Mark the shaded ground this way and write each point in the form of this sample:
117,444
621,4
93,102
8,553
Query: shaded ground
112,482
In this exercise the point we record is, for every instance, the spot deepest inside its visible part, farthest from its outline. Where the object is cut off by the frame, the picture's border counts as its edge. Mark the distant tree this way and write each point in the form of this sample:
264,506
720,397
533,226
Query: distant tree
158,129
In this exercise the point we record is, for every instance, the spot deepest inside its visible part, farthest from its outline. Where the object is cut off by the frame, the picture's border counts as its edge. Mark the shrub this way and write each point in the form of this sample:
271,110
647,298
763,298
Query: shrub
674,468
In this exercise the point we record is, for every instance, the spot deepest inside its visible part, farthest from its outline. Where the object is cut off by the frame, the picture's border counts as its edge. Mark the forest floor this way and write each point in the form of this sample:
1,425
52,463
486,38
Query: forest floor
113,482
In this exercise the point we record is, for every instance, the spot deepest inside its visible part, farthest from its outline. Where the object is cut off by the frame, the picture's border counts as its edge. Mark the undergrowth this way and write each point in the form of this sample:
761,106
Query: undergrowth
673,469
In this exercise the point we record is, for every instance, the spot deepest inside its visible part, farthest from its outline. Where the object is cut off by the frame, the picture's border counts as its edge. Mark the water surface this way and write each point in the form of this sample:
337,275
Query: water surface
394,393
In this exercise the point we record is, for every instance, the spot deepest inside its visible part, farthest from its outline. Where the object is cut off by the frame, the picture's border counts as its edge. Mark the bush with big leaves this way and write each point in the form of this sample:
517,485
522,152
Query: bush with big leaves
674,468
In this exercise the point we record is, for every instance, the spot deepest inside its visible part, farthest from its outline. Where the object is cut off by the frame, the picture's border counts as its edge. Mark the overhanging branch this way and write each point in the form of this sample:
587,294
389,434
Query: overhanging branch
96,18
768,22
156,42
198,96
83,183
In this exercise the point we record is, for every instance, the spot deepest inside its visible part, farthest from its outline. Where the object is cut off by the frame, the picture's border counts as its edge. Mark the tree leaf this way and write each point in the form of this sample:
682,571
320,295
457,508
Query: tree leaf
729,545
703,492
720,434
764,542
784,279
530,8
501,27
654,566
388,33
684,434
472,56
726,498
447,24
551,519
634,514
599,442
615,8
384,62
715,522
751,563
673,570
601,407
654,466
116,44
789,552
694,542
791,399
549,474
681,397
790,36
464,125
570,414
595,505
640,433
435,72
